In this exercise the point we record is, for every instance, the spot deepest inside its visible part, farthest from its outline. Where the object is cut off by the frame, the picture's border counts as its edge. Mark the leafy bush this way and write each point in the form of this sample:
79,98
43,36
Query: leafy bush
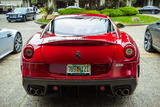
71,11
112,12
49,10
106,10
123,11
42,10
129,11
92,11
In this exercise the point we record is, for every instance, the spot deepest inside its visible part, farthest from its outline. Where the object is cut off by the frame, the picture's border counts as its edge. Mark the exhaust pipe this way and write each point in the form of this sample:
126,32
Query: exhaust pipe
39,92
32,91
125,92
122,92
35,92
118,92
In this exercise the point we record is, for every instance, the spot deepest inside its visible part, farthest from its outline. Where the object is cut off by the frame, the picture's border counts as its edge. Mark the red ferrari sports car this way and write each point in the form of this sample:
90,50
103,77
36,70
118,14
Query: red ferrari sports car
80,50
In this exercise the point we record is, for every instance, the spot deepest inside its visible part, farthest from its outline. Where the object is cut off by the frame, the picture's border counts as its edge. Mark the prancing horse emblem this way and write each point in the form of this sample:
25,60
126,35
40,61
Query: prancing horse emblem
78,55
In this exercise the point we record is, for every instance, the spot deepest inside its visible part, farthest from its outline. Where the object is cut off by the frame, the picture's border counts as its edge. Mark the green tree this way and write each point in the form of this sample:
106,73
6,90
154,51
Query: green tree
34,2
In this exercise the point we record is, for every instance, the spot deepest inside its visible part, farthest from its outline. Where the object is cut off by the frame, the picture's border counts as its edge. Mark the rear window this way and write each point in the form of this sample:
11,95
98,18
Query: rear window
80,26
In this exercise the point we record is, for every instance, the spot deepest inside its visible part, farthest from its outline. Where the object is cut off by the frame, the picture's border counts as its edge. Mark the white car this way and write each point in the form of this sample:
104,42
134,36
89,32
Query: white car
74,7
10,41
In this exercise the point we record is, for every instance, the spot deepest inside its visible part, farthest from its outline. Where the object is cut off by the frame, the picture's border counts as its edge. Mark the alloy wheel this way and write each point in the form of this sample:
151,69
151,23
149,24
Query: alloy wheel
148,41
17,43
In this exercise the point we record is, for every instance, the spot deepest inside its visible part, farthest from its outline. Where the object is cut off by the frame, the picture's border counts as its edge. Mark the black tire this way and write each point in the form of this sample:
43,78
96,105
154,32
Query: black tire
9,21
153,12
148,42
17,43
140,12
34,17
24,19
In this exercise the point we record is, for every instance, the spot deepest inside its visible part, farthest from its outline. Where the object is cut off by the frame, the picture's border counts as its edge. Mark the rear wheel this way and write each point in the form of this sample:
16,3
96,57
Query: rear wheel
148,42
153,12
17,43
140,12
34,17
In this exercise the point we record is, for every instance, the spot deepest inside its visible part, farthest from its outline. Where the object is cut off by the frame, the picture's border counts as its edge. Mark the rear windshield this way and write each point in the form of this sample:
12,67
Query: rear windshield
80,26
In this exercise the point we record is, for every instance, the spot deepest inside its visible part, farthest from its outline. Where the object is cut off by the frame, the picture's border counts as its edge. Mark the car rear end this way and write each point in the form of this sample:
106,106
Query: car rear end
96,61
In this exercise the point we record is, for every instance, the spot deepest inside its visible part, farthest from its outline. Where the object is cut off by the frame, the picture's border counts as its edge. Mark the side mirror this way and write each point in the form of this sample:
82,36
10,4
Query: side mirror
43,26
120,25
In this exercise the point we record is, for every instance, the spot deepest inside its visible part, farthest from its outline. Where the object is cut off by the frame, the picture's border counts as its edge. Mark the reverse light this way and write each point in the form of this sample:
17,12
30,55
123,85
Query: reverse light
129,51
28,52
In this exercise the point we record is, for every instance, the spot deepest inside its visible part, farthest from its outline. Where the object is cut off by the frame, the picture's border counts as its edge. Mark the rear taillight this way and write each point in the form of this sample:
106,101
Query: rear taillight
28,52
129,51
158,9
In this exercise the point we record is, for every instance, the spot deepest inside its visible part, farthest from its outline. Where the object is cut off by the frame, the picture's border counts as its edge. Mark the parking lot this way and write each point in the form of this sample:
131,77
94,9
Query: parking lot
12,94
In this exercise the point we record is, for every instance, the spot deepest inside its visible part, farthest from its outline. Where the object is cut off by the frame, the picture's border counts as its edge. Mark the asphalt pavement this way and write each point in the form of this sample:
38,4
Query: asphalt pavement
12,94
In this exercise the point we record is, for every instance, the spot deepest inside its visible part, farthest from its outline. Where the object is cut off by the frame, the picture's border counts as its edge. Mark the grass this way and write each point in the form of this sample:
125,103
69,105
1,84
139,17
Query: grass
144,19
128,19
43,21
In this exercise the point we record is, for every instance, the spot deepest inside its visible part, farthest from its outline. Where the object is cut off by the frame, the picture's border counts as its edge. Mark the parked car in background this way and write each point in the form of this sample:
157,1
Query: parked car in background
152,37
21,14
74,7
149,9
10,41
5,8
70,7
80,51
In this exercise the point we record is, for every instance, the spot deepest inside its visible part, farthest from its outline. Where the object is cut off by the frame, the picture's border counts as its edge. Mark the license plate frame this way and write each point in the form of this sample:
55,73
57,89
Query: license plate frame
78,69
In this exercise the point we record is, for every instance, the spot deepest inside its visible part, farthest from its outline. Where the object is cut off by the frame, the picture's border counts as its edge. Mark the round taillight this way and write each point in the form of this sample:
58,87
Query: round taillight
28,52
129,51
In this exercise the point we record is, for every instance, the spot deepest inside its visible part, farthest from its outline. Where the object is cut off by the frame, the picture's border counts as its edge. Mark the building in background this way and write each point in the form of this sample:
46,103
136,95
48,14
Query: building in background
12,2
92,4
141,3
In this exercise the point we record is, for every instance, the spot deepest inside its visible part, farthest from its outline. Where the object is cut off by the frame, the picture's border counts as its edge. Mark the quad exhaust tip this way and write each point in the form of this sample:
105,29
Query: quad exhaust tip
122,92
35,91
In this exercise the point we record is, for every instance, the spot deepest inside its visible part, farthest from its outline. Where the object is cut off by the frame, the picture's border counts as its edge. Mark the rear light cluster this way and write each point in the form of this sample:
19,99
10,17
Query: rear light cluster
28,52
129,51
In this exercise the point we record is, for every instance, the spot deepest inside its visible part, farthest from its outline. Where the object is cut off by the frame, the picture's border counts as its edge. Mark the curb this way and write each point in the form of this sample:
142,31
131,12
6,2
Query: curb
38,22
137,24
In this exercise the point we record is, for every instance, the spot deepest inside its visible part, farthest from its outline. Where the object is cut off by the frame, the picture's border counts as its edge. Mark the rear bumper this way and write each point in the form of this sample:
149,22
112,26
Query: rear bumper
112,83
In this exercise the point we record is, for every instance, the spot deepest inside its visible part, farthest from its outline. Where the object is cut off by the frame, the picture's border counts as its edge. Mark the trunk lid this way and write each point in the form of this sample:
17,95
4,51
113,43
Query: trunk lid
79,50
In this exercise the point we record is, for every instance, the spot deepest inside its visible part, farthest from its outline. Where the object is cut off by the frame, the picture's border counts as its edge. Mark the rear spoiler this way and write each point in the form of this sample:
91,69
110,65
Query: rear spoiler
78,42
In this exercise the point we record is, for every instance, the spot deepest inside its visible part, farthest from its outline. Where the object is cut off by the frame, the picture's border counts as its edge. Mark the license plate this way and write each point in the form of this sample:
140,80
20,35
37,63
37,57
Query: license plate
13,16
84,69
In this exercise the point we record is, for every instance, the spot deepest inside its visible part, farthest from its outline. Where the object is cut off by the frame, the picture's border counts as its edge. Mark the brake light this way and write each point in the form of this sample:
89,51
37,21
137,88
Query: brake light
28,52
158,9
129,51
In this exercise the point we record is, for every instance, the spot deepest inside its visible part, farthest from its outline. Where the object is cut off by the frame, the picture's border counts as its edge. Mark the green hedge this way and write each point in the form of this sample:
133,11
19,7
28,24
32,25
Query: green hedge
113,12
123,11
129,11
42,10
72,11
92,11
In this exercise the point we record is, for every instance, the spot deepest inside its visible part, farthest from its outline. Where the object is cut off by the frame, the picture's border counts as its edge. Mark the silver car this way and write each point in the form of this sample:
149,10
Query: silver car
10,41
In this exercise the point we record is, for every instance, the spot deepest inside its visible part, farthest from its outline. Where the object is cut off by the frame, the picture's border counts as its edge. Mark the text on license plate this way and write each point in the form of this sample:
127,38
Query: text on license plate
79,69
